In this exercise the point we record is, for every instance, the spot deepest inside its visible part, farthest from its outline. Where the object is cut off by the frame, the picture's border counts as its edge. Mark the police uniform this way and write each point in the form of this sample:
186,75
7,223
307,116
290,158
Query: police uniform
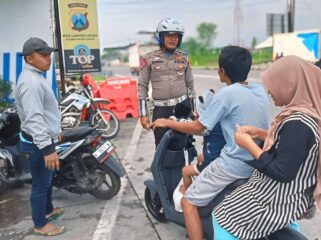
171,80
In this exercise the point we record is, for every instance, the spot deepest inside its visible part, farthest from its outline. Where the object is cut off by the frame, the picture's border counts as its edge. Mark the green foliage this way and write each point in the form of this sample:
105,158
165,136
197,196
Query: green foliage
5,90
201,53
110,54
202,44
190,44
263,55
254,42
99,78
206,34
209,59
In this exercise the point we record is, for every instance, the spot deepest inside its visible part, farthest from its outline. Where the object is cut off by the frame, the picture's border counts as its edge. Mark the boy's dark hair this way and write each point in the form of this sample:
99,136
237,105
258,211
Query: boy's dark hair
236,62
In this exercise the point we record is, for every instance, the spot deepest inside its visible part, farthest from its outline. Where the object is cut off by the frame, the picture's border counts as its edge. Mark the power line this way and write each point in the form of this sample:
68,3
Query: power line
238,19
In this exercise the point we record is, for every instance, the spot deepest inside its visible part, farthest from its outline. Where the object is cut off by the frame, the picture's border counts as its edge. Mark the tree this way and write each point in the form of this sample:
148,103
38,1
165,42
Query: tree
5,90
191,44
254,42
207,32
111,54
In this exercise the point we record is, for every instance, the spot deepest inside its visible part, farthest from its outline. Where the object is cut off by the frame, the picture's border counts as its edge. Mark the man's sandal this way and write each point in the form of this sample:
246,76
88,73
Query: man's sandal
57,212
55,231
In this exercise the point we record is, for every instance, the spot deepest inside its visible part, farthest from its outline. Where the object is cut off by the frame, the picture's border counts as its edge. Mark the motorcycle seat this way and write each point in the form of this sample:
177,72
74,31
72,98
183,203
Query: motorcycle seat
65,104
60,101
75,134
287,234
207,210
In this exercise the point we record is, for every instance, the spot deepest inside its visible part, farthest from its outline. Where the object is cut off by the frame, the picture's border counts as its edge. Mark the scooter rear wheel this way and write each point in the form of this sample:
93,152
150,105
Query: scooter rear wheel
154,206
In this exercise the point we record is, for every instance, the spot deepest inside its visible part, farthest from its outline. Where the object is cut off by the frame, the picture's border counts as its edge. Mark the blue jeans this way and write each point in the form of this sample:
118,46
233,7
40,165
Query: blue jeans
40,199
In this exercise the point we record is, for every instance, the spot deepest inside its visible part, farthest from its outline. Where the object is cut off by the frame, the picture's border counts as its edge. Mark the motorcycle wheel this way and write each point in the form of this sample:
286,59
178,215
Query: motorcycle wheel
154,206
2,187
111,182
109,130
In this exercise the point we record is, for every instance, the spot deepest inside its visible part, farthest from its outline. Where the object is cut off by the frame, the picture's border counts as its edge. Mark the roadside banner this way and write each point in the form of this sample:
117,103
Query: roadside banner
79,35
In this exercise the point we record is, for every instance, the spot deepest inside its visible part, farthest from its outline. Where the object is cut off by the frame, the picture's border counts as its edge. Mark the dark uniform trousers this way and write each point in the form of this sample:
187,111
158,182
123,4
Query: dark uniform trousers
162,112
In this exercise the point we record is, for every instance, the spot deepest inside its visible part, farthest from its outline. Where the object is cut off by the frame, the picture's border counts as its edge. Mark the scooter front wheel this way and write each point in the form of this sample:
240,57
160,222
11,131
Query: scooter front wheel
154,205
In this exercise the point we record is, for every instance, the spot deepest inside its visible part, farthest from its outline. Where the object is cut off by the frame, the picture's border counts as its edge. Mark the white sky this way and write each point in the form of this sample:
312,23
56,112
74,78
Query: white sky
120,20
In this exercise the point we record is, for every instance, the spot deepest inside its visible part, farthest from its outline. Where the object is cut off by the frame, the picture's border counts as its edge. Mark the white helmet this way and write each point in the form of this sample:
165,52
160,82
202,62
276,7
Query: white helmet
169,25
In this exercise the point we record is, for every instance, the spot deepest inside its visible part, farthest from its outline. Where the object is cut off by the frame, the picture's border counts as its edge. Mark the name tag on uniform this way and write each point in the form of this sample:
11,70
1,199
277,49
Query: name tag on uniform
158,61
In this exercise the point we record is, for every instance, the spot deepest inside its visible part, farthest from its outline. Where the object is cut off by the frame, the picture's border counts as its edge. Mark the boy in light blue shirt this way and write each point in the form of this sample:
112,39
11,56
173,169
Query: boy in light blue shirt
239,103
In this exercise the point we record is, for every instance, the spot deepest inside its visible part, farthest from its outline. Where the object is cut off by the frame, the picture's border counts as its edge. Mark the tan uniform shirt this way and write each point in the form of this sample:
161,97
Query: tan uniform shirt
170,76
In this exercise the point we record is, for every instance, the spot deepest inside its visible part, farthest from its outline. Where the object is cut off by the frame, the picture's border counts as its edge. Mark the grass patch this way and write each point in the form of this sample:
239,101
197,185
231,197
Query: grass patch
210,59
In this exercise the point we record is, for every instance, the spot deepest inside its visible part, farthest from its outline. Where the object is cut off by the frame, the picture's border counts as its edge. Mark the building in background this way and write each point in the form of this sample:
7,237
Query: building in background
20,20
275,23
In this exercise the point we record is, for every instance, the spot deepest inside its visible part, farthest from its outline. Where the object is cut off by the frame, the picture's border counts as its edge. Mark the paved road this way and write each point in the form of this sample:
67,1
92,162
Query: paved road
123,217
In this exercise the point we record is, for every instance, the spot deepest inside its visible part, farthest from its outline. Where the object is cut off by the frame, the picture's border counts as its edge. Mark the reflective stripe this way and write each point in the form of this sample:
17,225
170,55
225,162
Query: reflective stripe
54,140
170,102
23,139
142,108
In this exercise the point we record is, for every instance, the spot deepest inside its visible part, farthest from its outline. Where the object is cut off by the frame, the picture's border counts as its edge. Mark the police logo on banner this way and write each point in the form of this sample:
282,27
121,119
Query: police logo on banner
78,16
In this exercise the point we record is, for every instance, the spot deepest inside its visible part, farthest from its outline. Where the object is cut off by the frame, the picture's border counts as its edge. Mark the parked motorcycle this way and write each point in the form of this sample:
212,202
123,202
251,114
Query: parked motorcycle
79,105
10,155
87,164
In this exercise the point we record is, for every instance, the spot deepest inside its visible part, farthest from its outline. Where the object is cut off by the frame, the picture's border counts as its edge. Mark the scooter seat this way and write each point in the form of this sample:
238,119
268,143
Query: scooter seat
75,134
236,184
207,210
287,234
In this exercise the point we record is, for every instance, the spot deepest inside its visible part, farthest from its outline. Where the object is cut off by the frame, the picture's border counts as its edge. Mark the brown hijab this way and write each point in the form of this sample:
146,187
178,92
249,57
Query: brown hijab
295,84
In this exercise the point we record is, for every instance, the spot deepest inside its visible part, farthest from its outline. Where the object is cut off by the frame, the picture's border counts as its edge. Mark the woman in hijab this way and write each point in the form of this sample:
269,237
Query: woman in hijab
287,179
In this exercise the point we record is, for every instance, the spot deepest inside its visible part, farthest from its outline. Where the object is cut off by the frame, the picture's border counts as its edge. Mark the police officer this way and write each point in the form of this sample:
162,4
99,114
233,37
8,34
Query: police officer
170,74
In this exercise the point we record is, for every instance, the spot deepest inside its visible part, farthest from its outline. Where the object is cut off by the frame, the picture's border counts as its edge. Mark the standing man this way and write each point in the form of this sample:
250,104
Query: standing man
170,74
40,128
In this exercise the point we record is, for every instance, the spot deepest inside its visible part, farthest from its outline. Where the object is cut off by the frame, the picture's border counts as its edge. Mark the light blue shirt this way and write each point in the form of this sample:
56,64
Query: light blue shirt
233,105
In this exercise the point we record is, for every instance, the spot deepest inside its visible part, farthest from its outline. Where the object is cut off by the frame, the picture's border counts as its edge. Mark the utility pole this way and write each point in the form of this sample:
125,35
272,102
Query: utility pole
290,14
238,19
59,44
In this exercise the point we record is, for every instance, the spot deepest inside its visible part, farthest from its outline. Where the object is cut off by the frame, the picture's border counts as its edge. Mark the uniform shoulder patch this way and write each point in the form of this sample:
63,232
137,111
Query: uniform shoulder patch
143,62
